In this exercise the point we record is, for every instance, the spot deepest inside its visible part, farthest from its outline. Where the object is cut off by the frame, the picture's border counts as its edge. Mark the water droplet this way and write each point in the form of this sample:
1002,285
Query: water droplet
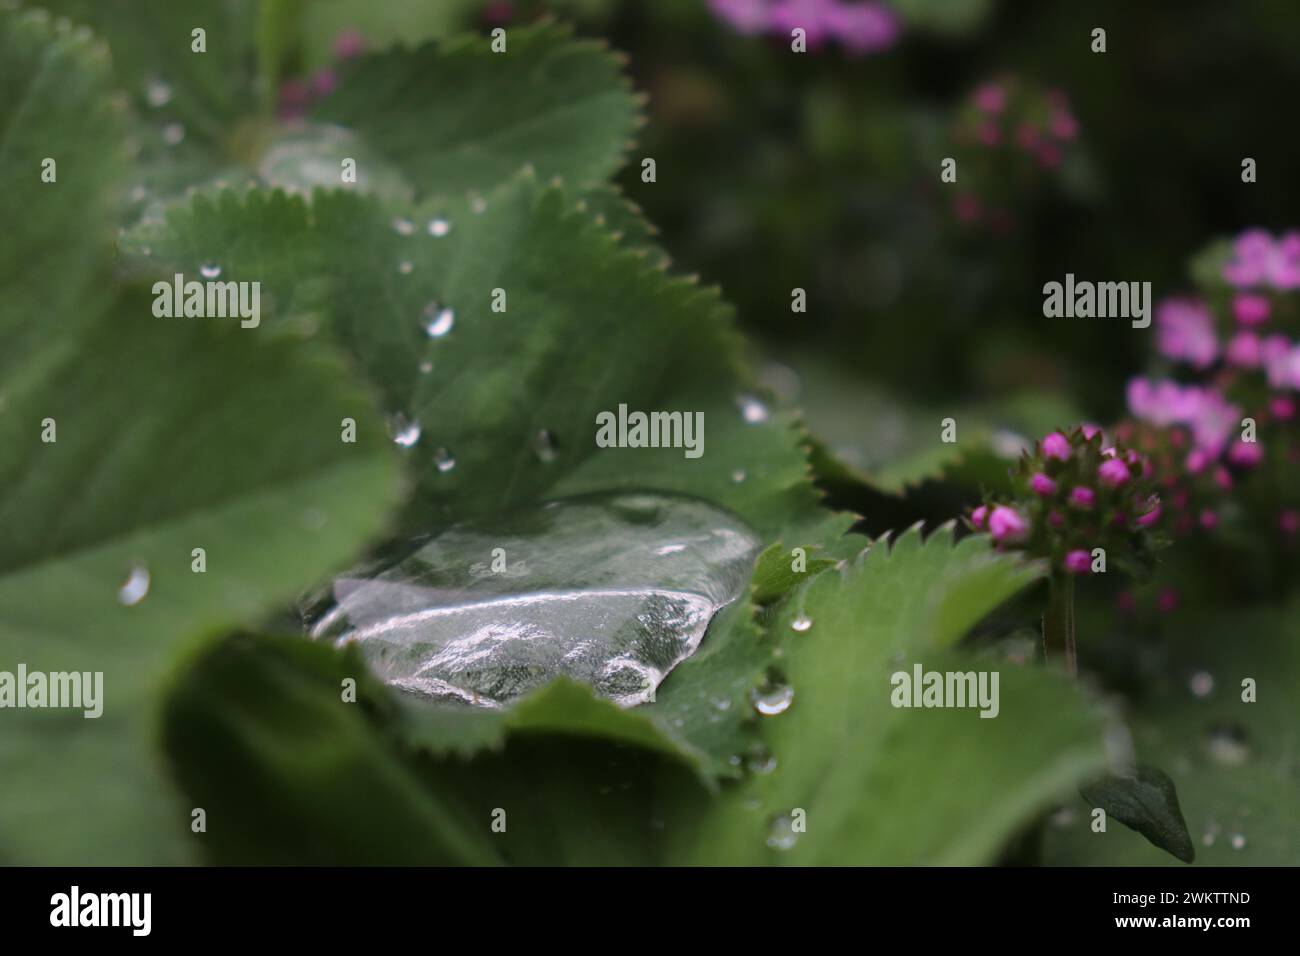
443,460
403,226
157,93
738,475
772,698
580,595
438,320
782,834
173,134
546,447
760,760
1202,684
405,432
1227,744
439,227
133,591
138,193
1238,841
801,623
1208,838
1063,818
752,410
210,270
426,367
477,205
405,267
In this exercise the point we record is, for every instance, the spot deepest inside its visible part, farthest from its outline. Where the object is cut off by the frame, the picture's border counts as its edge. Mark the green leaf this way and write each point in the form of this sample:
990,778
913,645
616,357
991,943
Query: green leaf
883,785
288,771
550,101
1145,801
496,380
171,435
1236,764
56,106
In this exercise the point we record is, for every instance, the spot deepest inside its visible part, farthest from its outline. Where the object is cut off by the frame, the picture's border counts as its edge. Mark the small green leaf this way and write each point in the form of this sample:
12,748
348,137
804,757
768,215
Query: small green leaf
1146,802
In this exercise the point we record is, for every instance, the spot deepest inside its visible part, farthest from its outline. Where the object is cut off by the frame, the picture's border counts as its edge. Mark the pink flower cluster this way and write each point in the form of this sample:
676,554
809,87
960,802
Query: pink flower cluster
860,28
1078,495
1259,260
1008,121
297,95
1203,409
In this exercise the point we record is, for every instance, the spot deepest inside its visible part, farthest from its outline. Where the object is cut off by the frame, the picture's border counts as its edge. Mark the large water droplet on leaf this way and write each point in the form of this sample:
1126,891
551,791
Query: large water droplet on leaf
591,588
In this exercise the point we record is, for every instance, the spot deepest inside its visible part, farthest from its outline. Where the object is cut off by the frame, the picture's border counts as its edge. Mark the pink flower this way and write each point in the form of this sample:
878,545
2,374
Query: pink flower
990,98
1055,519
1168,600
864,27
1288,521
1185,331
744,16
1258,260
1082,498
1055,445
1078,561
1063,125
1250,309
1209,519
1112,472
1049,156
349,44
1282,407
1211,417
1126,602
978,515
812,16
989,134
1089,430
324,83
1147,519
1223,478
1042,485
1006,525
1245,454
1243,350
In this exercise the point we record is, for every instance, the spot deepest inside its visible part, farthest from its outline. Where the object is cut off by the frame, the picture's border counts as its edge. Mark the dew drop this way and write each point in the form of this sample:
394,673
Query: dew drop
405,267
1238,841
760,760
210,270
738,475
545,446
133,591
405,432
403,226
752,410
438,320
443,460
1063,818
1202,684
173,134
801,623
1227,744
782,835
439,227
157,93
426,367
138,193
772,698
477,205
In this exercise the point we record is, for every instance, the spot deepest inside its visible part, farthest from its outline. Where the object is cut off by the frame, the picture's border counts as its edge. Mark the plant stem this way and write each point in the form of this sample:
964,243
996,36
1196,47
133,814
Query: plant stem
1058,623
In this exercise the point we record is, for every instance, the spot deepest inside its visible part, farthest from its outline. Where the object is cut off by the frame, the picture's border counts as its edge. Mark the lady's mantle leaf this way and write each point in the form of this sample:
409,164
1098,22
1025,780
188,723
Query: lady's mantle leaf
874,782
457,117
